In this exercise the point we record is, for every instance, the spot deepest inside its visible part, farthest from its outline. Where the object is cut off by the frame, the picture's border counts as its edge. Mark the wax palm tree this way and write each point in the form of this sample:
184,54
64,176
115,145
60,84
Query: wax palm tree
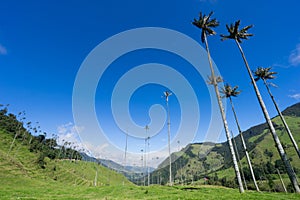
166,95
238,35
147,155
18,130
265,74
125,155
205,23
229,92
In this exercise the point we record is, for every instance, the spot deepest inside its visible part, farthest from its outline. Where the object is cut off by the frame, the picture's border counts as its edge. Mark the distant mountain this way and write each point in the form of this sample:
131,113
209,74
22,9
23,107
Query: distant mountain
115,166
293,110
199,162
133,173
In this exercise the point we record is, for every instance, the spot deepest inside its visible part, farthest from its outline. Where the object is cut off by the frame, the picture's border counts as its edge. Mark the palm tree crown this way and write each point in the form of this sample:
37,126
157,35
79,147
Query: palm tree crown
264,73
210,80
205,23
229,91
235,33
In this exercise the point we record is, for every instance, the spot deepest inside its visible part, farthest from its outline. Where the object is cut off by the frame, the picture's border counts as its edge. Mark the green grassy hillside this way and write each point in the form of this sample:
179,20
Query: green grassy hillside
21,177
197,163
29,170
20,162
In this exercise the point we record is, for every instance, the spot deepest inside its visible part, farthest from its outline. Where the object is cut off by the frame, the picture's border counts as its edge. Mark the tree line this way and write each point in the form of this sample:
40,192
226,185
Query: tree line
30,135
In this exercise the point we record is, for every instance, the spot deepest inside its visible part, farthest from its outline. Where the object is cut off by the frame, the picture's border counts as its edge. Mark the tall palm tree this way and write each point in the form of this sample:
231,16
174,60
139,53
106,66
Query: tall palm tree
265,74
125,154
18,130
238,35
205,23
147,140
143,167
229,92
166,95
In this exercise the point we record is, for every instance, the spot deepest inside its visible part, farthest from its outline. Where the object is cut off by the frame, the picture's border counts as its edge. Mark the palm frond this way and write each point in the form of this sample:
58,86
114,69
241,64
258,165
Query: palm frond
206,24
273,85
229,91
264,73
224,37
235,33
245,29
210,80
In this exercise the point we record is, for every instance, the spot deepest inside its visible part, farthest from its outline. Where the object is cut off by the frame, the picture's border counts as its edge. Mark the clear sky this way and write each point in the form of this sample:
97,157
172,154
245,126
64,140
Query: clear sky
43,45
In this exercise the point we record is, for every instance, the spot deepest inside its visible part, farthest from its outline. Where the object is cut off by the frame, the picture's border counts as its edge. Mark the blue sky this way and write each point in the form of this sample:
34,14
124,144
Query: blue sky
43,44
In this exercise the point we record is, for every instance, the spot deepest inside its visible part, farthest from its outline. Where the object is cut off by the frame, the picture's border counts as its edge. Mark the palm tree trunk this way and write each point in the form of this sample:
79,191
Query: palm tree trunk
96,177
125,155
148,170
18,132
280,149
236,167
145,161
239,160
12,143
283,120
282,183
244,145
169,146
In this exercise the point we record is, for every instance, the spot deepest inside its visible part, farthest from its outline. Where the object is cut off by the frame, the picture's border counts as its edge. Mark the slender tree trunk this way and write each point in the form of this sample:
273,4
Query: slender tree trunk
96,177
12,143
148,161
145,162
283,120
236,167
282,183
280,149
244,145
15,137
239,161
169,146
125,156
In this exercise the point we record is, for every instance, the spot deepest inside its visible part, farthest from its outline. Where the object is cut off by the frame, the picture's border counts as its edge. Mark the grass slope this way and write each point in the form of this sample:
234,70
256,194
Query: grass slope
20,163
35,189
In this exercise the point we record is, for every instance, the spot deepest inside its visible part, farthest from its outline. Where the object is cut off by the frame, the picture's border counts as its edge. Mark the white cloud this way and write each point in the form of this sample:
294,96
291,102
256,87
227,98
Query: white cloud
3,50
295,96
69,133
294,58
96,151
